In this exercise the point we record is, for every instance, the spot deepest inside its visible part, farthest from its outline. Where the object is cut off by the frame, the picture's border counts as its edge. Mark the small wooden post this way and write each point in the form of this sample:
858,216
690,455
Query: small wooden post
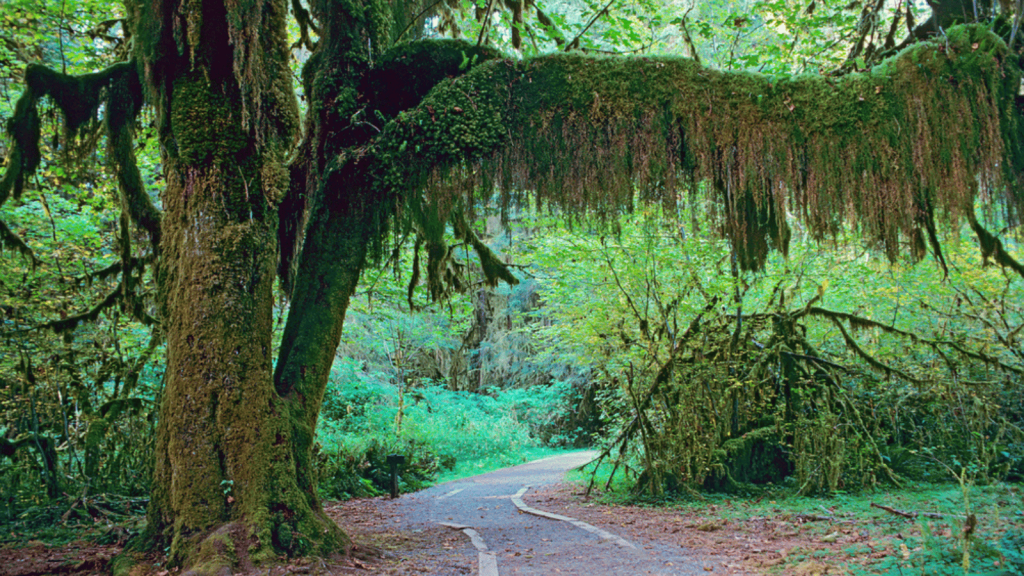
394,460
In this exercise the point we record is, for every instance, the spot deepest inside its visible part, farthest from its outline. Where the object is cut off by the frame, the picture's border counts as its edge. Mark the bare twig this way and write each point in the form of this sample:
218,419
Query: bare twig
892,510
602,12
487,21
913,514
416,19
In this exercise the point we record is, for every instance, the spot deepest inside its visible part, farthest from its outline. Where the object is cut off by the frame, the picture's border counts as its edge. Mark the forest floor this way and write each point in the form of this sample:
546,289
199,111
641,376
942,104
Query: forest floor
798,536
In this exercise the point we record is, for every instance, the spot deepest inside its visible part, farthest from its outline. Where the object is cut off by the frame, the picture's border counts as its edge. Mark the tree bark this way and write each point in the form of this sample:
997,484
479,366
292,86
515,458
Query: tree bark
228,490
226,485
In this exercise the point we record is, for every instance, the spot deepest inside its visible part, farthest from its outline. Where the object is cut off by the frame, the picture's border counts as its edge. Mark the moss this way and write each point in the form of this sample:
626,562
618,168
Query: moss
405,74
756,458
10,240
77,97
216,552
24,156
205,123
919,135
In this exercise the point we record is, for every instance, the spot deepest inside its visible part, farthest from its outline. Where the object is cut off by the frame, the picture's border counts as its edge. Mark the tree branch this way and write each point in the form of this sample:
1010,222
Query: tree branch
992,247
858,322
576,41
9,239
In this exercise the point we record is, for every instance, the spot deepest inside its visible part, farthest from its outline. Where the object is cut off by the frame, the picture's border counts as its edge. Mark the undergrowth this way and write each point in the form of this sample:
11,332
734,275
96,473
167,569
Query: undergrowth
443,434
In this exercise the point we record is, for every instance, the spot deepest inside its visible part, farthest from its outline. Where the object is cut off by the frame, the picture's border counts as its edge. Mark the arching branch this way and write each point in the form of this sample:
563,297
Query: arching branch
79,98
594,135
857,322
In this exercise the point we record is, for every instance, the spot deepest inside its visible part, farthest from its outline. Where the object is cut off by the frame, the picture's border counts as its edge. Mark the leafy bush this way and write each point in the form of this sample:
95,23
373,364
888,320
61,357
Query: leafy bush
828,371
366,417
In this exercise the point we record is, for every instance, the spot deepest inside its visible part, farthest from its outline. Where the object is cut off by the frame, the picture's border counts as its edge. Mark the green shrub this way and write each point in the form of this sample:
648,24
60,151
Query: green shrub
366,417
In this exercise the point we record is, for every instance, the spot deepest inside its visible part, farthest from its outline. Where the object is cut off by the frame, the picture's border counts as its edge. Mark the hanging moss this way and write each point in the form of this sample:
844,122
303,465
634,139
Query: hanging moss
24,155
78,98
922,132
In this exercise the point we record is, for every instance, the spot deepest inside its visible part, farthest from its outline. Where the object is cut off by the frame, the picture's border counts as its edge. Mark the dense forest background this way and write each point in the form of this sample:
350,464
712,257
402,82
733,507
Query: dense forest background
833,368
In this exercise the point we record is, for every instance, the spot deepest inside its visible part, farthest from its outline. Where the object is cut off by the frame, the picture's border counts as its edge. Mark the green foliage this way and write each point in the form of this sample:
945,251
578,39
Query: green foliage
367,415
78,380
646,335
713,378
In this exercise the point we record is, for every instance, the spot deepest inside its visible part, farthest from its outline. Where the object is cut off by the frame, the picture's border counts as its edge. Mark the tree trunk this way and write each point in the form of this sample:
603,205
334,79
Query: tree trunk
228,490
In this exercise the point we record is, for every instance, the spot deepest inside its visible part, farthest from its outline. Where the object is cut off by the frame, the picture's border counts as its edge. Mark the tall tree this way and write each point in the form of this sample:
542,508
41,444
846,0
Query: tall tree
412,136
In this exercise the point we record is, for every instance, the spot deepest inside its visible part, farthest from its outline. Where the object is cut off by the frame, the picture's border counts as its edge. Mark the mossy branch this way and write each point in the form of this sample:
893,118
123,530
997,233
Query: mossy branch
858,322
885,151
112,270
306,23
871,360
992,246
115,297
398,81
494,269
10,240
79,99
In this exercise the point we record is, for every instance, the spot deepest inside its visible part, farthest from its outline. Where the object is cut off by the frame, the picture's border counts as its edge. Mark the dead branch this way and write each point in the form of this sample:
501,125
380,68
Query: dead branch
814,518
892,510
912,514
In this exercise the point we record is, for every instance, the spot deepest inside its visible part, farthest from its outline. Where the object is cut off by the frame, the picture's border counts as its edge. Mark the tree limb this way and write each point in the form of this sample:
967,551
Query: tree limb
576,41
9,239
992,247
859,322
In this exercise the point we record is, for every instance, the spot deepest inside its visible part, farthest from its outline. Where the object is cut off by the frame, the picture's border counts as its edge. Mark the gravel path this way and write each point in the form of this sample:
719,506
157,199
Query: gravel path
510,535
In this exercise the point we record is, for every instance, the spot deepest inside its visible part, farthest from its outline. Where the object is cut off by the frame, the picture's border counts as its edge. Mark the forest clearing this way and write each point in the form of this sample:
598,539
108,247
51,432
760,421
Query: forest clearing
762,259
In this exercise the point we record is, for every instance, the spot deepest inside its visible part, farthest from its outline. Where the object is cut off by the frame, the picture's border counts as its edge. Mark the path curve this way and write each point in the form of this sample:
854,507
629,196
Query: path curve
514,537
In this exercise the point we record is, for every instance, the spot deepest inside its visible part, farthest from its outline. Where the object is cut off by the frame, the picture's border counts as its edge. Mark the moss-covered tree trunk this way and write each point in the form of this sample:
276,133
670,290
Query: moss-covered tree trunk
233,480
228,487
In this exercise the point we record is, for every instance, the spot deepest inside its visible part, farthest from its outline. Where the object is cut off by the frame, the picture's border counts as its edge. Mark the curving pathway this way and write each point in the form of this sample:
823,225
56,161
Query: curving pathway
513,538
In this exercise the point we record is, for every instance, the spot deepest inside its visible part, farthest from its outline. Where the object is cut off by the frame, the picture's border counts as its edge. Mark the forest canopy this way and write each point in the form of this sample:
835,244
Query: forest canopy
208,192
